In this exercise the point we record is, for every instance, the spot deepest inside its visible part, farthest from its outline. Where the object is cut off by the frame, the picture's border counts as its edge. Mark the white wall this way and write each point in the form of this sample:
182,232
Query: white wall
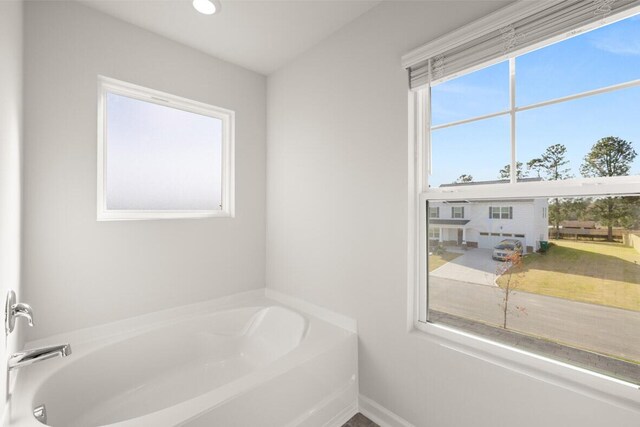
10,170
337,225
79,272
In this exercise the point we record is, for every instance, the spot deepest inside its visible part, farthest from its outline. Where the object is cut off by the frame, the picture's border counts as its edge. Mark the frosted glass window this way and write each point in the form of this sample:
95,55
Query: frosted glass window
161,157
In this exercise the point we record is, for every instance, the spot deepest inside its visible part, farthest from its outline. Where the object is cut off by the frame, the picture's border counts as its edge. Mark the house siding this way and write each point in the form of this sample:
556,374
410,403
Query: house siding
527,219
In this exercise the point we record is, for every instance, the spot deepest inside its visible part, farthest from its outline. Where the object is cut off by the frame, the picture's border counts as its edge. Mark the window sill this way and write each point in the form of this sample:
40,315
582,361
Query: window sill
598,386
151,215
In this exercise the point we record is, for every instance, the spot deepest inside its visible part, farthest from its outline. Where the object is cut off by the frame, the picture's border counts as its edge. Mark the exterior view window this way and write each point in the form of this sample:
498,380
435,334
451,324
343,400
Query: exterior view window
162,156
547,254
434,212
501,212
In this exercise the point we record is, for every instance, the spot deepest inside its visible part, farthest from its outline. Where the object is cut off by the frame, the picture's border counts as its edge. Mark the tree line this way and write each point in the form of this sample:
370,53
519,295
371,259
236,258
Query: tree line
610,156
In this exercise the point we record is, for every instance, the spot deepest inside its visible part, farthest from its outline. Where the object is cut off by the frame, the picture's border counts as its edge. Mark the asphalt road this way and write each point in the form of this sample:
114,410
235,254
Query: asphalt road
588,326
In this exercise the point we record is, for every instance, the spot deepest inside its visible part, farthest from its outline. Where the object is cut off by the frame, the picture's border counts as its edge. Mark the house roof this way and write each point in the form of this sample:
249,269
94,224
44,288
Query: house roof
448,221
495,181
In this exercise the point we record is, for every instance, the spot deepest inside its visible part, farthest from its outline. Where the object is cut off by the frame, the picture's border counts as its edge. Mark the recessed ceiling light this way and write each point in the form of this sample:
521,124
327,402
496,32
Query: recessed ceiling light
207,7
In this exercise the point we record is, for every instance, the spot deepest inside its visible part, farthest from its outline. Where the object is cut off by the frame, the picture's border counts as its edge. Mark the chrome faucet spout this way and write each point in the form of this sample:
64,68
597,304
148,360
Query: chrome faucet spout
29,357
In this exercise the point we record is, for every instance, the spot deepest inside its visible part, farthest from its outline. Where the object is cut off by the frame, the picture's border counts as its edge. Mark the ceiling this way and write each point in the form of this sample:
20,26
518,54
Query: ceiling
261,35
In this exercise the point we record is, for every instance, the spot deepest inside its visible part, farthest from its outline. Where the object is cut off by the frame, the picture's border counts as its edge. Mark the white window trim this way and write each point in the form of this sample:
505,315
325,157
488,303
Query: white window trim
586,382
106,84
499,211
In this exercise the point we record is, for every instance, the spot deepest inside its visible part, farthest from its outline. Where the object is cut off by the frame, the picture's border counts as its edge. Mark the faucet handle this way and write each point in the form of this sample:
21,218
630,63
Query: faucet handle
23,310
13,310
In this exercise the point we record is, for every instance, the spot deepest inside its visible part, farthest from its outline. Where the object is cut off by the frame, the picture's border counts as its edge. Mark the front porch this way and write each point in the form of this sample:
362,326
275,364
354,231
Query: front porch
449,232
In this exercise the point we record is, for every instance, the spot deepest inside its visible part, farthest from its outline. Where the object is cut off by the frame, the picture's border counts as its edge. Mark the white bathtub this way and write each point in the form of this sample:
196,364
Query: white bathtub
248,361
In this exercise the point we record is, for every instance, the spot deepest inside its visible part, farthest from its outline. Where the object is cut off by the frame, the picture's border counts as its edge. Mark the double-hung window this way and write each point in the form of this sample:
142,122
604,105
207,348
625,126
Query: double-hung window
536,122
502,212
161,156
457,212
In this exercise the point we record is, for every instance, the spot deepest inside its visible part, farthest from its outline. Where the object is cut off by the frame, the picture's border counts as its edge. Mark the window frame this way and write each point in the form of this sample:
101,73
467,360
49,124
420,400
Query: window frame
501,212
459,215
547,369
551,370
130,90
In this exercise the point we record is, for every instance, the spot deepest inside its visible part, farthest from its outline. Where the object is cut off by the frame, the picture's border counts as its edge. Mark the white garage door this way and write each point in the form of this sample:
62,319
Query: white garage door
488,241
485,240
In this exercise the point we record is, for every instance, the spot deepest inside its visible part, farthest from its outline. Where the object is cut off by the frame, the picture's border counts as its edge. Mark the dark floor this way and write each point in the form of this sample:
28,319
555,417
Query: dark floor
359,420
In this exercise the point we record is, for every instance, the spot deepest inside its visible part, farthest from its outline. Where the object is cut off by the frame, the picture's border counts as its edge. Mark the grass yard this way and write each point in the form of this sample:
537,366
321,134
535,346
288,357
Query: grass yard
594,272
436,261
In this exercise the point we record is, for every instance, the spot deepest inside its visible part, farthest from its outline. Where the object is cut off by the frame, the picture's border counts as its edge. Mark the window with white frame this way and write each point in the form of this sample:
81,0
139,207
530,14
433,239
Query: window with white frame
434,212
162,156
457,212
549,126
501,212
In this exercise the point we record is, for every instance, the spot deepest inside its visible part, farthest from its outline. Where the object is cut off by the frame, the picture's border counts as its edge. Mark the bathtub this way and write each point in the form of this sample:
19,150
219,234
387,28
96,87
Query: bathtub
243,361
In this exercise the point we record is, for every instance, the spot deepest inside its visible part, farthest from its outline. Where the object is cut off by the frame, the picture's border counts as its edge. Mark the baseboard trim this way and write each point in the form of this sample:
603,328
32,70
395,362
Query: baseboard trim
379,414
340,419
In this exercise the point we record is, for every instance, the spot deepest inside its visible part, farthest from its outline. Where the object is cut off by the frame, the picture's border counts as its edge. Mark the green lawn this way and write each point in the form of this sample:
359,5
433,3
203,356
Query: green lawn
594,272
436,261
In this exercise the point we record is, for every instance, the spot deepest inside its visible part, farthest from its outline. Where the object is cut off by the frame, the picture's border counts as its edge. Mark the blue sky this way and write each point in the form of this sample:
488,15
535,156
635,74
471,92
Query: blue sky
602,57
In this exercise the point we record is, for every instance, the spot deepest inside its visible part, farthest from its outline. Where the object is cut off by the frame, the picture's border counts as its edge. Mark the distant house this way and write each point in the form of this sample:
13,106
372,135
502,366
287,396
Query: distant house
482,224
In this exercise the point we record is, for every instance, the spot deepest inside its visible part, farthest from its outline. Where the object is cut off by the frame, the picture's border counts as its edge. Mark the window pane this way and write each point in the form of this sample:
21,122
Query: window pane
481,92
577,126
602,57
478,150
161,158
573,295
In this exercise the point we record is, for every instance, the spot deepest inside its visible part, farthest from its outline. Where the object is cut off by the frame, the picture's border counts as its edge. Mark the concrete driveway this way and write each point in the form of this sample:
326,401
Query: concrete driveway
474,266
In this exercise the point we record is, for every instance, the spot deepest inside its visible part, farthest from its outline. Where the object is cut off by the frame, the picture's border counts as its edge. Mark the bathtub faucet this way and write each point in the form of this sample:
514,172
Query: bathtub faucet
29,357
14,310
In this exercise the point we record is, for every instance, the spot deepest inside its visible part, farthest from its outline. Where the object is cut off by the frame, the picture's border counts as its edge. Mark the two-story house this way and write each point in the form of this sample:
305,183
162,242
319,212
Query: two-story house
482,224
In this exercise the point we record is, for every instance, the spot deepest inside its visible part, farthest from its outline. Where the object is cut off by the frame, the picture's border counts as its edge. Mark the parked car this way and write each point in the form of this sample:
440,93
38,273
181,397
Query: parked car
506,249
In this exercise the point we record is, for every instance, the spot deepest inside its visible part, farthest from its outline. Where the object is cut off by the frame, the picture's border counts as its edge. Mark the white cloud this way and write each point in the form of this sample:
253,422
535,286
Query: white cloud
620,40
618,47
